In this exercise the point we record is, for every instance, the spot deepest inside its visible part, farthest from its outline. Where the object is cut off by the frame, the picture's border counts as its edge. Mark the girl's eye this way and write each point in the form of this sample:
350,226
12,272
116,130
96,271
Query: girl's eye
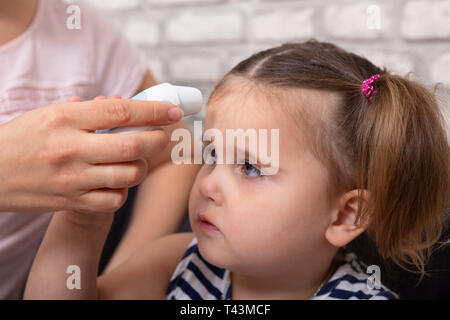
251,170
211,157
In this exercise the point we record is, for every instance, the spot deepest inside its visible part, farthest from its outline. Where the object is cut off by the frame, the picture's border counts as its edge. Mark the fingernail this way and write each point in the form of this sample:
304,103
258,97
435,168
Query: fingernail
175,114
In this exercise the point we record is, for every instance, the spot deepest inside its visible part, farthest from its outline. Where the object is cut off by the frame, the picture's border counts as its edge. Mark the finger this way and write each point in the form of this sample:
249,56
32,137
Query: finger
115,96
109,113
112,148
99,98
74,99
114,176
101,201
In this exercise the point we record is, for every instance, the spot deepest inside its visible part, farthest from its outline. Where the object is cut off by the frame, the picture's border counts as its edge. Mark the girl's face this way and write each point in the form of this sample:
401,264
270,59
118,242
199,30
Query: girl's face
263,224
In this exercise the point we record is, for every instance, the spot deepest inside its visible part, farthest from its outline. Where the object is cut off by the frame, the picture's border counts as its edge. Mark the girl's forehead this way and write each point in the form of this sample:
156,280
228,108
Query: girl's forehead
243,108
296,112
253,113
238,96
244,118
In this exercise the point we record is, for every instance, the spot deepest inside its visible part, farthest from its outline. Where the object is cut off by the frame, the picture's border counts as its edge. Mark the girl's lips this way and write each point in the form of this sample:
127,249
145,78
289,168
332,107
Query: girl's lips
205,224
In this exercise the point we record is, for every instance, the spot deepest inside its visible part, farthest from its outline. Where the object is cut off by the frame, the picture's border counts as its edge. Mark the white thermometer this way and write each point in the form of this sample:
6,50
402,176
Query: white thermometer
188,99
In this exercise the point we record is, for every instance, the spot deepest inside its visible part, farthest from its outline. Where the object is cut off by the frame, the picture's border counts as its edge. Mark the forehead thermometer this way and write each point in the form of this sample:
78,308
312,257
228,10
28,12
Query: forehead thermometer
188,99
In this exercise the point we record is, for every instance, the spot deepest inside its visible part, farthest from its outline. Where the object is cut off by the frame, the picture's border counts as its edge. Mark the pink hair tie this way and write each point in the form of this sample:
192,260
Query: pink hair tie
367,87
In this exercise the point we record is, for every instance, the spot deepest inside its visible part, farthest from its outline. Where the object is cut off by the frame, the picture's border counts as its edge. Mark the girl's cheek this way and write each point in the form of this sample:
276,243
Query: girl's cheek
193,197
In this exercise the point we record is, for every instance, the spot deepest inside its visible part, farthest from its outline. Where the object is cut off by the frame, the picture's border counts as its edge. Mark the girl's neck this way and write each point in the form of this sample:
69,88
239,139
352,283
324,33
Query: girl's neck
293,285
15,17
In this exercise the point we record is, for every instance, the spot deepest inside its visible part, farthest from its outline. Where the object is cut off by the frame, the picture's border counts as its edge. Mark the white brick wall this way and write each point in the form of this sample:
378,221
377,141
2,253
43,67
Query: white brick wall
440,69
357,21
114,5
142,33
426,20
194,26
195,68
197,41
282,24
180,2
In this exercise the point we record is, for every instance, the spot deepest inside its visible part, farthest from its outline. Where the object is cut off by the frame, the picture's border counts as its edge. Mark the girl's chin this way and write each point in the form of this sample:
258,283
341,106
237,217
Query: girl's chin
211,252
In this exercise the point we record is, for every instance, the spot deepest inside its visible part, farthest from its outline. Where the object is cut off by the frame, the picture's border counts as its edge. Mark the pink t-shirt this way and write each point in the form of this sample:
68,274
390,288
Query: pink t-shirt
47,64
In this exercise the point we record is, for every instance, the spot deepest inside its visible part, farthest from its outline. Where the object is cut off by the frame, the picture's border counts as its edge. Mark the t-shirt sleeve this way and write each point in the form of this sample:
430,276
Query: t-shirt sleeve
119,67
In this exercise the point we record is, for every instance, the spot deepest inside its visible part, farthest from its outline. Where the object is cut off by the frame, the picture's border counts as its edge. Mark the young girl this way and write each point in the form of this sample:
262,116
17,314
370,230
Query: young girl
359,149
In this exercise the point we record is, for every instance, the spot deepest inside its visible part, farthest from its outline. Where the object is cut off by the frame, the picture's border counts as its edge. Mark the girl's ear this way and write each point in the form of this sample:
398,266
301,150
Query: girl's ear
342,228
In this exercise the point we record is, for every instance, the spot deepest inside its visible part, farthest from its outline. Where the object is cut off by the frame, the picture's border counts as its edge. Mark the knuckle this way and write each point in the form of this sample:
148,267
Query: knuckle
119,111
54,117
155,113
159,112
131,149
161,138
63,185
56,152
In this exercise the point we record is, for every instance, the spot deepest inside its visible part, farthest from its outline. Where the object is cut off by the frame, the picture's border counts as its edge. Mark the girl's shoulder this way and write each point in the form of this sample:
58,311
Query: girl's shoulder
146,274
354,280
196,279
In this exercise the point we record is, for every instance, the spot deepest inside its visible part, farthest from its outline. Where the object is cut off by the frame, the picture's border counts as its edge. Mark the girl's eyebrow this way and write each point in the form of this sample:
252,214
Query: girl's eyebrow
248,154
237,148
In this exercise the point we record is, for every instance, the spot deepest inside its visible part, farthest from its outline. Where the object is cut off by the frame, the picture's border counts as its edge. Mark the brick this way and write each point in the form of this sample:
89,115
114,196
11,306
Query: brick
440,69
114,5
156,66
398,63
243,53
205,26
282,24
142,32
180,2
234,60
359,21
196,68
426,19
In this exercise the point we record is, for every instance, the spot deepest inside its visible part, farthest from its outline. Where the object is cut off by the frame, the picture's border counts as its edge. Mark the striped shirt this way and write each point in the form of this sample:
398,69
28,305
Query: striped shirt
196,279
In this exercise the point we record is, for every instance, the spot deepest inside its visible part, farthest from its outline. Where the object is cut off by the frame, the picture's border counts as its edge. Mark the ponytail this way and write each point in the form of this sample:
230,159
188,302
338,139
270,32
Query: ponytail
403,161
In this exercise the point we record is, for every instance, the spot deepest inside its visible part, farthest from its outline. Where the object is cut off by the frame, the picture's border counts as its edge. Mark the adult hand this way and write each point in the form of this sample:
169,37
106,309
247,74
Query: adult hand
52,159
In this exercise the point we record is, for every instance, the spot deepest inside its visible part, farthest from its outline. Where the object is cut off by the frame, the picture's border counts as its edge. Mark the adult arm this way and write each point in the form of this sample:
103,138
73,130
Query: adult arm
161,201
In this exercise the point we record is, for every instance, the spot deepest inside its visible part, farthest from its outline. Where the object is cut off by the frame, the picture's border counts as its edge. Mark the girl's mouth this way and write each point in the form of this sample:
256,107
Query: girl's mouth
206,225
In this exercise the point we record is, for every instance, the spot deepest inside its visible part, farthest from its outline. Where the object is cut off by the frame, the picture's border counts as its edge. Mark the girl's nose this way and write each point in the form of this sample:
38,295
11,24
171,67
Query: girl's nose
211,183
